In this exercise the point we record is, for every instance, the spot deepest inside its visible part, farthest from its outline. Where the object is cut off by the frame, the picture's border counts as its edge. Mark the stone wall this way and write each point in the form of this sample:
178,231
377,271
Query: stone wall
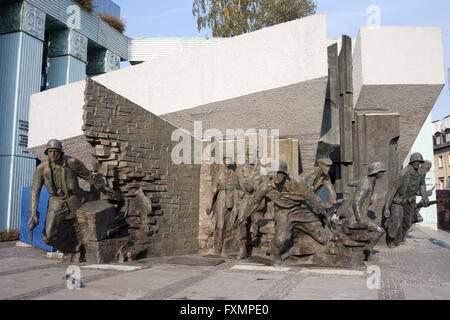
132,151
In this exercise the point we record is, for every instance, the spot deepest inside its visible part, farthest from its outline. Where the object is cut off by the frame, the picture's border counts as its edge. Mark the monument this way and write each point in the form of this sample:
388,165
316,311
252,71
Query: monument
336,117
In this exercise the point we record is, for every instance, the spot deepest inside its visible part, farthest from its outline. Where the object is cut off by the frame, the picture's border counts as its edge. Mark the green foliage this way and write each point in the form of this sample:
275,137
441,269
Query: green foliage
229,18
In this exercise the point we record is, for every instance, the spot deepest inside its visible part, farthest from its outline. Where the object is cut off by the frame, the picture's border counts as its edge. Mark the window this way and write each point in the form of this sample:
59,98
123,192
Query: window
447,137
448,159
441,183
440,162
438,139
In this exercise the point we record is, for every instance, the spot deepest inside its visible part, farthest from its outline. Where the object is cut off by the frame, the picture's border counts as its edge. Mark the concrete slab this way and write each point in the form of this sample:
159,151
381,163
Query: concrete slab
295,110
17,263
269,58
23,244
341,272
129,285
259,268
230,286
439,235
387,77
111,267
415,292
26,282
332,288
195,261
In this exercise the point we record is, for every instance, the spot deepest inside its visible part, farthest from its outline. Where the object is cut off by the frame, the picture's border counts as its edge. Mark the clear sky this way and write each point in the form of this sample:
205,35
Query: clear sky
173,18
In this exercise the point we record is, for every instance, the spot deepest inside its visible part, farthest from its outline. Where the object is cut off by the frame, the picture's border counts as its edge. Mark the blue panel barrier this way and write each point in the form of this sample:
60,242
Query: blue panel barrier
38,242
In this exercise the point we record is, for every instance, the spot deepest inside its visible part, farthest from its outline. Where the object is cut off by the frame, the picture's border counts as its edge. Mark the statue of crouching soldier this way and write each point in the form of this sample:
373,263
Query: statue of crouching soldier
60,176
356,210
296,206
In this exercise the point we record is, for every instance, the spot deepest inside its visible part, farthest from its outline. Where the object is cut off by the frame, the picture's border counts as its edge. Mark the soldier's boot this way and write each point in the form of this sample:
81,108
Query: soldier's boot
242,251
390,241
418,218
276,254
400,238
376,233
218,242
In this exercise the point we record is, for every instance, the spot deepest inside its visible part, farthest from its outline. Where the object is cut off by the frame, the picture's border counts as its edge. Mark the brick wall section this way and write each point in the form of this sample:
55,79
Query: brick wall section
132,150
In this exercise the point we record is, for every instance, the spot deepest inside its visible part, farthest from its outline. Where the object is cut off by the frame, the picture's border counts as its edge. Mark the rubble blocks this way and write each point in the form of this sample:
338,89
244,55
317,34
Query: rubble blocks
94,224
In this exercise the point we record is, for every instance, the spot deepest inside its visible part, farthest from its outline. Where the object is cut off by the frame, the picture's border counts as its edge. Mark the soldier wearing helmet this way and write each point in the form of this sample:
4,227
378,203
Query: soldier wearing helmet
355,211
221,207
401,200
60,176
290,195
249,178
320,178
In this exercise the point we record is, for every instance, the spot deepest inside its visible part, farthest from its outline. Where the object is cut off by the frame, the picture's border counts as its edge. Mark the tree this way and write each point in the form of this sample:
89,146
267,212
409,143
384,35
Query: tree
229,18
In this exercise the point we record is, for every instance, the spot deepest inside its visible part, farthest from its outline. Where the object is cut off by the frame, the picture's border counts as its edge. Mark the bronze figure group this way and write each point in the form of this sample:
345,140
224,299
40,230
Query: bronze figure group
280,212
244,201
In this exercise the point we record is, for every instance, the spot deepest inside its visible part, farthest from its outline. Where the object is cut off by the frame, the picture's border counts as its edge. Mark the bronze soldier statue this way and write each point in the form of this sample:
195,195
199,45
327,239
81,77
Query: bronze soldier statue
60,176
249,179
320,178
401,200
360,202
223,189
290,197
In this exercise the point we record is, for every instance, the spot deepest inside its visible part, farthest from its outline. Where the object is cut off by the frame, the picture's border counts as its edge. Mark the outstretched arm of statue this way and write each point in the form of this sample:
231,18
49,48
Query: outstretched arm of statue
84,173
313,201
35,193
253,205
78,167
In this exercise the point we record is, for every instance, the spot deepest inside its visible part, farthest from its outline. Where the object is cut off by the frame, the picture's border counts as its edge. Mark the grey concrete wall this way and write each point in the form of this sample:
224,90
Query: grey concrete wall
56,113
295,110
412,102
399,69
266,59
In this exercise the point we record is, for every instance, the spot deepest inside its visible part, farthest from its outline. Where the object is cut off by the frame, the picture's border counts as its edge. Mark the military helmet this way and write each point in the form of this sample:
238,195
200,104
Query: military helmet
325,161
416,157
53,144
282,166
375,168
228,160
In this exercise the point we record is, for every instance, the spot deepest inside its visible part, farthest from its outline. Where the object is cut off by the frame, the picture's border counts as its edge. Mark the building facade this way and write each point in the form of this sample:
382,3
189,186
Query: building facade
441,143
43,44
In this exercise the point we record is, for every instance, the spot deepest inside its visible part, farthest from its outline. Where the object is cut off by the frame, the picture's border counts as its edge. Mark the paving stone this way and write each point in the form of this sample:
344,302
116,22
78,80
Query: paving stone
195,261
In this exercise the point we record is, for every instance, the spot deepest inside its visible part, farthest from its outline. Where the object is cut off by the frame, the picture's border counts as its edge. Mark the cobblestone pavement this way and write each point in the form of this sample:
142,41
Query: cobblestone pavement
416,270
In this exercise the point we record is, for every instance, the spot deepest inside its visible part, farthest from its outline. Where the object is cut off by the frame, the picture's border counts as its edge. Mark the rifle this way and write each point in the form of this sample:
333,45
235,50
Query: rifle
422,205
30,230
